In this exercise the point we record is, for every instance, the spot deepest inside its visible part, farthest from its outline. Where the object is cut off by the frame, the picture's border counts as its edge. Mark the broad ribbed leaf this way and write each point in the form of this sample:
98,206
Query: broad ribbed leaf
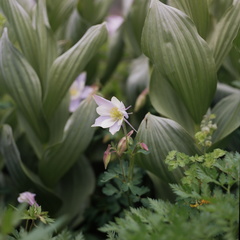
67,67
167,102
94,11
76,198
198,11
227,113
220,41
23,178
59,11
23,29
134,24
23,84
162,136
171,41
58,159
47,47
138,78
115,53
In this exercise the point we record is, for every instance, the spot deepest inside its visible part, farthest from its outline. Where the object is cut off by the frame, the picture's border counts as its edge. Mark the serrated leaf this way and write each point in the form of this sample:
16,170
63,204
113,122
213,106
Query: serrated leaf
171,41
23,178
227,113
162,136
22,83
58,159
198,11
221,38
67,67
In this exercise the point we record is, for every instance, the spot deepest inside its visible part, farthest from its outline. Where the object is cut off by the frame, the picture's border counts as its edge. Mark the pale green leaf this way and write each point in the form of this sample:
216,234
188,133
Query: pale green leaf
198,11
94,11
81,178
46,43
23,84
166,101
59,11
58,159
138,78
172,43
223,34
23,29
23,178
162,136
133,25
227,113
69,65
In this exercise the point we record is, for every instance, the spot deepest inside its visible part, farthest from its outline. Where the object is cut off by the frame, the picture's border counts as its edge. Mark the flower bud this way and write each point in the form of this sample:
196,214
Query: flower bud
144,146
122,146
107,156
141,100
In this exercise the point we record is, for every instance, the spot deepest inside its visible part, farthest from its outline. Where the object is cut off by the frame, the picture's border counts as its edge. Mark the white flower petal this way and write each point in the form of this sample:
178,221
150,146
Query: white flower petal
104,110
114,128
98,121
116,102
101,101
108,123
119,122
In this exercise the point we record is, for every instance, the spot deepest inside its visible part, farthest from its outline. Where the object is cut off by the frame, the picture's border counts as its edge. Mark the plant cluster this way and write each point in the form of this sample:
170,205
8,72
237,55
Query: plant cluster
68,67
205,208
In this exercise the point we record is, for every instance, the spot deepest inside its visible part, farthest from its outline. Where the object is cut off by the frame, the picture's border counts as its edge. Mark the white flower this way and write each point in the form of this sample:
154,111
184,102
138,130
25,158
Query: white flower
78,91
27,197
112,114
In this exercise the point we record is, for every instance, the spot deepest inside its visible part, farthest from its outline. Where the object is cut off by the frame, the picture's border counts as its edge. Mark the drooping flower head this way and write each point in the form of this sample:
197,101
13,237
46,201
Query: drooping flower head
27,197
112,114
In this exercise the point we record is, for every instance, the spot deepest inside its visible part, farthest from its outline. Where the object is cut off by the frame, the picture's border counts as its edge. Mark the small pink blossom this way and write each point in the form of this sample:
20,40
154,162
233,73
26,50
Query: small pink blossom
27,197
144,146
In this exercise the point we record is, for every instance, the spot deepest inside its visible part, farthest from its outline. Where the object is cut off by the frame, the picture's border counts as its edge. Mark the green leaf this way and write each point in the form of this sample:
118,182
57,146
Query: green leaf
138,78
81,178
23,84
67,67
197,11
135,16
227,113
47,47
223,34
59,11
22,177
23,29
94,11
58,159
162,136
172,43
167,102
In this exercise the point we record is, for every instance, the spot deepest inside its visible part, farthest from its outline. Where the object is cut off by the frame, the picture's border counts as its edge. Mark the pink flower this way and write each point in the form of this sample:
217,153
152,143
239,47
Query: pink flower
27,197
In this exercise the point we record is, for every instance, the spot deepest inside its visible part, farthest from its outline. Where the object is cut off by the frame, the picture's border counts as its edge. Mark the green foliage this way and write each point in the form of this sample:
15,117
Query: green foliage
202,211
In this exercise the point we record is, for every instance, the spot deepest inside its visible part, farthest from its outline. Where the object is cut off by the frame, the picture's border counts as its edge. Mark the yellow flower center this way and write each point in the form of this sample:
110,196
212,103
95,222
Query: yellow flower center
116,114
73,92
